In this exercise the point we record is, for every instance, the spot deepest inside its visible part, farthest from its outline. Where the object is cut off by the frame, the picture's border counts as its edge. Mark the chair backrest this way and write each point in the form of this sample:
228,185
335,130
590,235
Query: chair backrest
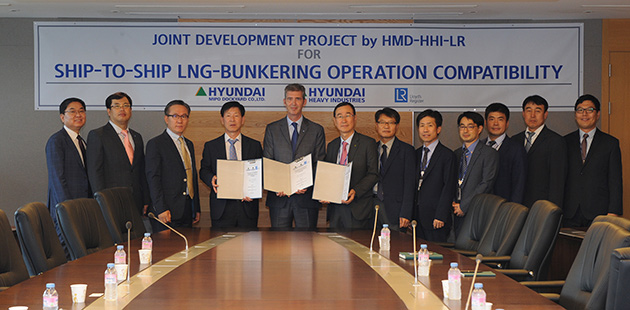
535,244
83,227
586,285
504,230
618,297
118,208
36,232
12,268
617,220
480,213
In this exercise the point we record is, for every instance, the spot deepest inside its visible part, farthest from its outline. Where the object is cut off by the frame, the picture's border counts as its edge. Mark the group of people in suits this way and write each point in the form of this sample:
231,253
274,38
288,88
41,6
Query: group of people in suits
580,172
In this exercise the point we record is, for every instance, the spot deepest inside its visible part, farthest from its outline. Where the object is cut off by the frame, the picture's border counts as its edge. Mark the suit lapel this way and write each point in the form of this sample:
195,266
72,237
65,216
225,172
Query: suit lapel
539,140
70,145
434,158
172,147
305,125
595,145
479,149
353,147
117,143
392,154
137,150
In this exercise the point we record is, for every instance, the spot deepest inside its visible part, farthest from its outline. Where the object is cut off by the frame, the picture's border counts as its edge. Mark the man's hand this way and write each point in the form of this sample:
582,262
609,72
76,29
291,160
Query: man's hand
246,199
197,218
457,210
214,184
166,216
403,222
351,194
437,224
144,209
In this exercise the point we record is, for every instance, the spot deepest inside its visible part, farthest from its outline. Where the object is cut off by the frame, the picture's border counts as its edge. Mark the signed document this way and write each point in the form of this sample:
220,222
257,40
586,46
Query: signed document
239,179
288,178
332,182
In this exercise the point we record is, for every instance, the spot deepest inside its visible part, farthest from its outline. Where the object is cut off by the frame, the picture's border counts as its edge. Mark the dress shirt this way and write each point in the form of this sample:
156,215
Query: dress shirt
536,134
120,135
74,137
498,141
349,141
299,125
589,140
175,138
237,145
431,147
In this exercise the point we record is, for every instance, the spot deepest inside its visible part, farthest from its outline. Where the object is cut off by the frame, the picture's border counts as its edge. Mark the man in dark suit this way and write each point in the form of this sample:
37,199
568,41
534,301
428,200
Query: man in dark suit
478,165
435,179
546,154
510,183
395,190
233,146
65,156
357,211
286,140
115,154
594,183
172,172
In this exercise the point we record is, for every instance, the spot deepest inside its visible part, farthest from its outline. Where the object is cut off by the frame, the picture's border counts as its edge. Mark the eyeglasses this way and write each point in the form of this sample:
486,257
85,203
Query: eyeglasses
73,113
587,110
469,127
175,116
387,123
339,116
121,106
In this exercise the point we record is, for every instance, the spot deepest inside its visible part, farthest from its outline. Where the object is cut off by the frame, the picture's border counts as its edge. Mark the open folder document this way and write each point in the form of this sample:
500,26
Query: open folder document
288,178
239,179
332,182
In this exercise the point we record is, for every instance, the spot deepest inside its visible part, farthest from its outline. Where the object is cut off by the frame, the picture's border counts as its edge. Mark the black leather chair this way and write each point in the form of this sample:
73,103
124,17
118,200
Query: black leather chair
531,255
118,208
12,268
586,286
617,220
83,227
504,230
618,297
480,213
36,232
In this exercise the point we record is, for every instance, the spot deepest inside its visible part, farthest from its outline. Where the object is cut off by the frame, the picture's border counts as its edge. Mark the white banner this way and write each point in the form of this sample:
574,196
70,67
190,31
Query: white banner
409,67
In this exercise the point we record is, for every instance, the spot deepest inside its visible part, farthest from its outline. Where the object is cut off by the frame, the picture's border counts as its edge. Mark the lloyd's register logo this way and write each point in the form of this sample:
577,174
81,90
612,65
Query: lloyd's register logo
401,95
238,93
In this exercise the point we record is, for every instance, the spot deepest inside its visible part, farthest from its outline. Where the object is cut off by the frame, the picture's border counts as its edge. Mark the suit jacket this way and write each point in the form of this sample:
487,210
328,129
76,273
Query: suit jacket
277,142
362,153
215,149
108,165
434,199
510,183
481,173
166,176
67,177
595,185
546,167
398,181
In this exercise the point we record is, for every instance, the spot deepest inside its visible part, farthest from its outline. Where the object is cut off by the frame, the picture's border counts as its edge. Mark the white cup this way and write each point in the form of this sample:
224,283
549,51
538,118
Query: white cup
145,256
78,293
488,306
121,272
445,288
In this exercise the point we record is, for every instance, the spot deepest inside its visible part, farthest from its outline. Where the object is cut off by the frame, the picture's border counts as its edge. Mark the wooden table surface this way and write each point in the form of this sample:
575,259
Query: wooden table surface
269,269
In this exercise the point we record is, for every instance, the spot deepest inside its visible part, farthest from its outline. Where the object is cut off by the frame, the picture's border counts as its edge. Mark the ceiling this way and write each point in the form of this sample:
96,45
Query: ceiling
322,9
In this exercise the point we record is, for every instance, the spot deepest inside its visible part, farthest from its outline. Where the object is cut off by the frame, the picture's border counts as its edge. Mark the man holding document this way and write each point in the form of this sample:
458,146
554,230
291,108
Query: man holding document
357,211
232,145
286,140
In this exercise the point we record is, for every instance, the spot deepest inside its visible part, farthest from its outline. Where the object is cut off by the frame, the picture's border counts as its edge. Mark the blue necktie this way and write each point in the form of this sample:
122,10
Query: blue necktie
294,137
232,149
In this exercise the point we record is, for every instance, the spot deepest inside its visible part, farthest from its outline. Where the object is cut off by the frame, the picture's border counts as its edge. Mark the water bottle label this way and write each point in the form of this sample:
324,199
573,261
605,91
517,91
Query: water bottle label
147,245
454,277
50,301
110,278
120,259
479,300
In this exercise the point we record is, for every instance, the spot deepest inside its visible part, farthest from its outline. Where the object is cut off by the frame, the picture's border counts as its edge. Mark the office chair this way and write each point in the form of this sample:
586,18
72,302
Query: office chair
36,232
118,208
504,230
83,227
12,268
617,220
481,211
618,297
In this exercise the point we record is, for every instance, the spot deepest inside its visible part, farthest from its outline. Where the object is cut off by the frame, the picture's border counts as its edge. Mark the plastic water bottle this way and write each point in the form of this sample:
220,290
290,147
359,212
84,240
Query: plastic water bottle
424,263
454,282
478,297
51,298
111,290
147,242
385,237
120,257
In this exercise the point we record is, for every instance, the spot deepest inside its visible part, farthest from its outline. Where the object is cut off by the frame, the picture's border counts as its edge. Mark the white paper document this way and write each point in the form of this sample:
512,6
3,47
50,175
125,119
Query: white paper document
332,182
288,178
239,179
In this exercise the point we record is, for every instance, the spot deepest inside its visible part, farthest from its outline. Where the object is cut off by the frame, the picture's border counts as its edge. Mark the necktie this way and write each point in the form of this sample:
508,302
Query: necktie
492,144
383,159
583,147
82,148
379,192
232,155
294,137
344,154
425,158
463,166
187,166
128,147
528,145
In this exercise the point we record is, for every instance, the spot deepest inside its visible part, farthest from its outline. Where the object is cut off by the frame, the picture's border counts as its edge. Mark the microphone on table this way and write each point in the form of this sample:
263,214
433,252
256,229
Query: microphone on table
374,230
478,259
151,215
415,261
128,225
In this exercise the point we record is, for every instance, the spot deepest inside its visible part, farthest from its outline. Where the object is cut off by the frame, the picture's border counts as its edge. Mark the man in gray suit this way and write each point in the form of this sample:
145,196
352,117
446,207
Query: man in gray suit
286,140
478,165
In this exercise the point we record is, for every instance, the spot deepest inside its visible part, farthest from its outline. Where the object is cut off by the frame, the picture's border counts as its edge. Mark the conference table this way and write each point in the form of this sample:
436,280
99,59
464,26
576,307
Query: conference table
268,269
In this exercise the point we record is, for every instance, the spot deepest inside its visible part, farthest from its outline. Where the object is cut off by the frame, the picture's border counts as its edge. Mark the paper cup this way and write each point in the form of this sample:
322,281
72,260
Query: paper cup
121,272
445,288
488,306
145,256
78,293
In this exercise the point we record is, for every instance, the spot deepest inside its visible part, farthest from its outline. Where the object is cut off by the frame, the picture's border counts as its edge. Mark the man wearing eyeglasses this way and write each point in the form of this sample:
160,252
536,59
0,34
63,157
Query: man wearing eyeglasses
115,153
478,165
172,172
65,156
395,190
594,182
